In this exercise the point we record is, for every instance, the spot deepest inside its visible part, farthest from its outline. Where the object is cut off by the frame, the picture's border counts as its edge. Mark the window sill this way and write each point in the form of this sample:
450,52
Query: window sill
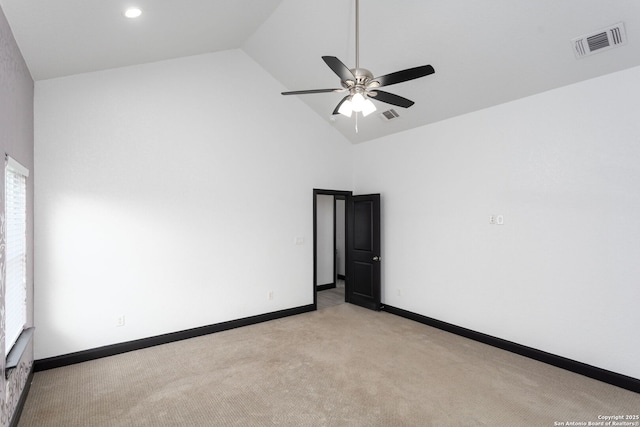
18,349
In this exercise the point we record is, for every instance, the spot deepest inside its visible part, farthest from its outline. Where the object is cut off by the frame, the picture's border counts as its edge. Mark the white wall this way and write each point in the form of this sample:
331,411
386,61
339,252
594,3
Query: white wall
172,193
325,247
563,167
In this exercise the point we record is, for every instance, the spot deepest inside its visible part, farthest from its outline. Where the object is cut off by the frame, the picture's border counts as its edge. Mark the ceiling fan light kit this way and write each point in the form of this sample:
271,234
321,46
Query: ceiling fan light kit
362,86
357,103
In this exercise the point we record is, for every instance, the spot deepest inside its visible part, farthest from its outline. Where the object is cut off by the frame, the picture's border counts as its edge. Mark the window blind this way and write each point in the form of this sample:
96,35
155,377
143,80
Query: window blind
16,251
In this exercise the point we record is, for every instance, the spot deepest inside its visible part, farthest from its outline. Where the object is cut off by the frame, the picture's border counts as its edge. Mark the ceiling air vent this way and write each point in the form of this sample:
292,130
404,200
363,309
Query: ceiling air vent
389,115
599,41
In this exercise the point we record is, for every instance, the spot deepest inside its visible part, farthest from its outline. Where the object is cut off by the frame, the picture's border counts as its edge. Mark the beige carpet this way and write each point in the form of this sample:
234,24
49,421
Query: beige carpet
340,366
331,297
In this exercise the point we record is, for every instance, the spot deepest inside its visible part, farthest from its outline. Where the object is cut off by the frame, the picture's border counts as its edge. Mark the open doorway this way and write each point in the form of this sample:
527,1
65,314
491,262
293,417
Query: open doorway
361,249
330,217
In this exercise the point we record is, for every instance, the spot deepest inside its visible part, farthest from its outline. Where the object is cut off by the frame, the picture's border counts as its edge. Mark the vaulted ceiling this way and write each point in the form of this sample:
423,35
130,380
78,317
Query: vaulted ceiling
484,52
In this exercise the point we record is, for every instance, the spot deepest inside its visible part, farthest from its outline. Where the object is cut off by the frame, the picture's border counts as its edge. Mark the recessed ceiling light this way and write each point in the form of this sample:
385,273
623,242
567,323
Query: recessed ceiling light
132,12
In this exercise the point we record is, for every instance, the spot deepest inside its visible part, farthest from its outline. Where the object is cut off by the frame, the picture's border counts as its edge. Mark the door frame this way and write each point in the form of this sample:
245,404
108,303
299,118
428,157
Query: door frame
345,195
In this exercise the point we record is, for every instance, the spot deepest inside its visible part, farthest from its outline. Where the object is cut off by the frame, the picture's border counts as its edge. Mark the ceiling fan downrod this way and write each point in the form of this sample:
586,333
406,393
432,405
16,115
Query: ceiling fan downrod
357,34
362,75
358,99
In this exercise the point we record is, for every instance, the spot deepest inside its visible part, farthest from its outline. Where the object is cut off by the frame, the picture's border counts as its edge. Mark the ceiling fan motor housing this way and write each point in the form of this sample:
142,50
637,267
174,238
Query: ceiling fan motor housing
362,76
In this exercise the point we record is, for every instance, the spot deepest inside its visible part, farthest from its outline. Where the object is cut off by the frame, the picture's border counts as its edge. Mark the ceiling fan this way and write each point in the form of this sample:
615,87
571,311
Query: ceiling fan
362,86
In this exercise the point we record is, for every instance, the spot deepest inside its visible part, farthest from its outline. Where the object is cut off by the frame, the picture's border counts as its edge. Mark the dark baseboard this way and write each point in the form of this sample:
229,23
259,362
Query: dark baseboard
341,276
613,378
325,287
111,350
23,399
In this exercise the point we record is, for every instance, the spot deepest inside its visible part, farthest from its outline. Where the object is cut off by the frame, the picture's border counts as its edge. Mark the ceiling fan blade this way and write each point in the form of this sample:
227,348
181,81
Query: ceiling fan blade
390,98
405,75
339,68
335,111
304,92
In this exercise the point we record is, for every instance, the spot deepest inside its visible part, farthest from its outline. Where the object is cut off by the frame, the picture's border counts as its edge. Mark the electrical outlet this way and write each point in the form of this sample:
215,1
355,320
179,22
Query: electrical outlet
492,219
399,293
500,219
120,320
270,295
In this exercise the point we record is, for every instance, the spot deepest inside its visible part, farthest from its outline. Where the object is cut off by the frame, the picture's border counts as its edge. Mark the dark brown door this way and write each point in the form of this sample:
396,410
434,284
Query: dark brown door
363,245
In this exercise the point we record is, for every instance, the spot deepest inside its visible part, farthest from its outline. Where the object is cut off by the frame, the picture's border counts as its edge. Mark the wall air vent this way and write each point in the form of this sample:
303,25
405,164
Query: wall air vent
389,115
599,41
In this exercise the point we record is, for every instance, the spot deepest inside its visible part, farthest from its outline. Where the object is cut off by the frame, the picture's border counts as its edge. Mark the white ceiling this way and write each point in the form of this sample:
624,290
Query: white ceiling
484,52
